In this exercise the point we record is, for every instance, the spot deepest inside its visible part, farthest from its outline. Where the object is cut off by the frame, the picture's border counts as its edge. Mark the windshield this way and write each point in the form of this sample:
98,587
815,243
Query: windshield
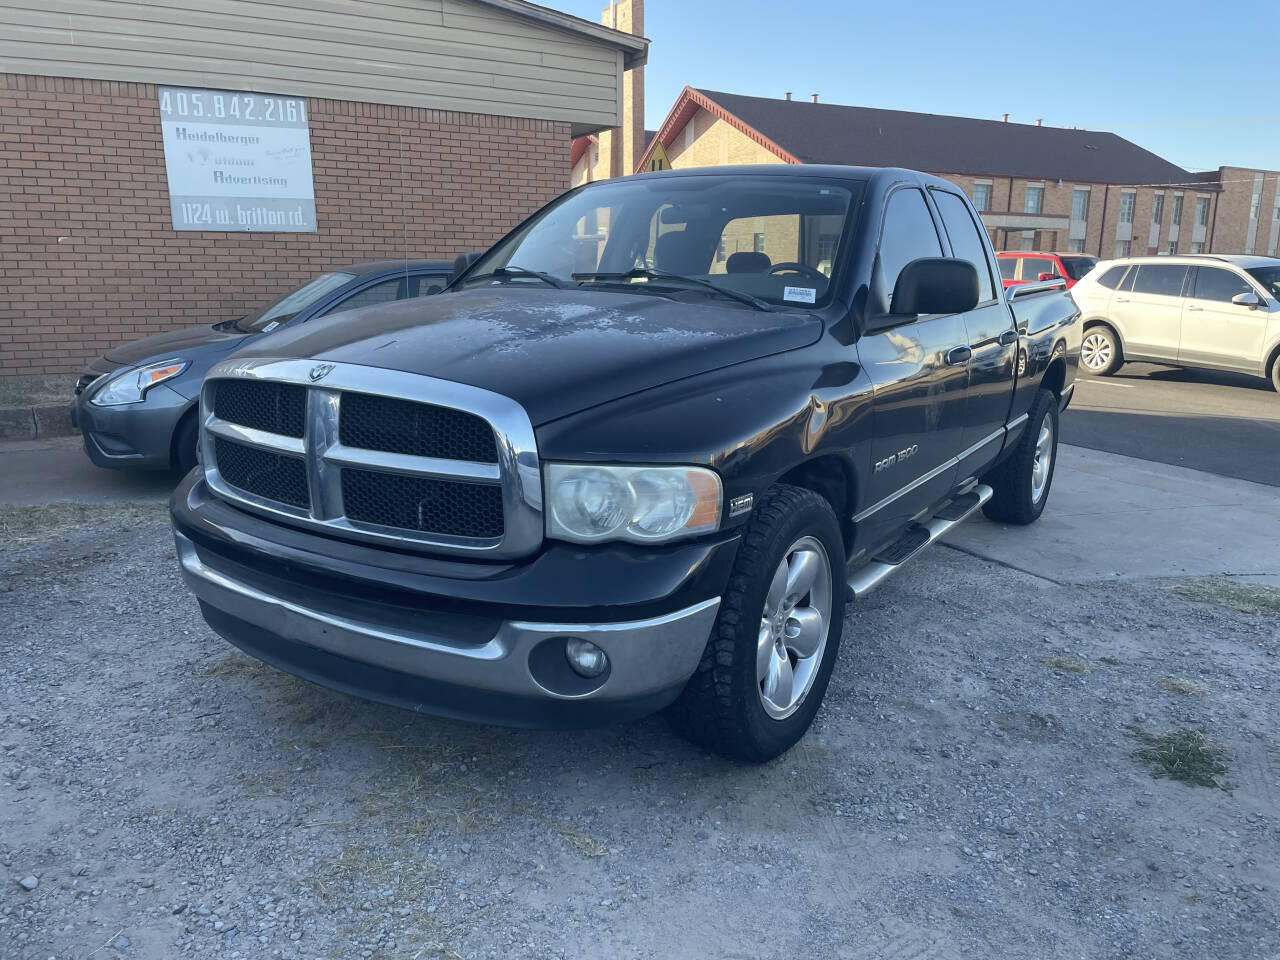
1269,277
772,238
293,303
1077,267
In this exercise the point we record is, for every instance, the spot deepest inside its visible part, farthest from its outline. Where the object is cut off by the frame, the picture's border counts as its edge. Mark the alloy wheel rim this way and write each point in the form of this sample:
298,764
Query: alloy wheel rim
794,626
1095,351
1043,462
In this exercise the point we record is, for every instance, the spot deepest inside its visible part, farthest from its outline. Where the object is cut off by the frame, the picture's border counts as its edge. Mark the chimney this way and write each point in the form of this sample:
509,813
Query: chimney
788,94
1005,118
1039,121
621,147
815,97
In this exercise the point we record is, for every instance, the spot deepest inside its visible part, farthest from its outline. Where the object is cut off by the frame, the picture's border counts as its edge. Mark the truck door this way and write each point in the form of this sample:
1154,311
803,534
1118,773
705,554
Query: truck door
920,380
991,337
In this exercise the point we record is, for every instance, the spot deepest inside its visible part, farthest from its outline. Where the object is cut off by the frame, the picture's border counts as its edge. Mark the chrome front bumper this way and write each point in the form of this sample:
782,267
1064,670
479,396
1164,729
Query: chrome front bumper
522,661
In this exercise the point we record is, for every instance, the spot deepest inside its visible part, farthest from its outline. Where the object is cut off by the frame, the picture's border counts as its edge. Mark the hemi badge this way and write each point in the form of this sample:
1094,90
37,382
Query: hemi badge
740,505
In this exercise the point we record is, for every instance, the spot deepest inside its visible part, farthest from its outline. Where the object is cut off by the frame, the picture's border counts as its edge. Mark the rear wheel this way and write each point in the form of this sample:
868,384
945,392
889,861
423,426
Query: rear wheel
1100,351
766,666
1021,482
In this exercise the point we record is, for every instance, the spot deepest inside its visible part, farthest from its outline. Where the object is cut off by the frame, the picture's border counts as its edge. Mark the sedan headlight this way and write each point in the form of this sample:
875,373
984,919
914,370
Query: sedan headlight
132,385
588,503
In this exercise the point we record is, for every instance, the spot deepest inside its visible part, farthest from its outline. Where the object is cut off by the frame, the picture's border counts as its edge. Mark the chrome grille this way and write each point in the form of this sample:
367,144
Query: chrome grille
374,454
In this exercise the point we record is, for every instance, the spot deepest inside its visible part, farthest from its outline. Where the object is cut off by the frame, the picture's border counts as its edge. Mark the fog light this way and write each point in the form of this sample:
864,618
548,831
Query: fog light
585,657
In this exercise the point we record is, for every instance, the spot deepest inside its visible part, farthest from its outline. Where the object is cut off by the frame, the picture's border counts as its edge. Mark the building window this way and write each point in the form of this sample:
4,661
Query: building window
1035,200
1157,207
1255,202
1080,205
982,197
1122,248
1202,211
1127,201
1075,246
757,242
1172,248
1197,246
1177,210
720,251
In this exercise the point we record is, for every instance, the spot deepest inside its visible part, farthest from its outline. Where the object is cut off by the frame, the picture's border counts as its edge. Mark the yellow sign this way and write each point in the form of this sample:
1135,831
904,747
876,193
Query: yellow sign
658,159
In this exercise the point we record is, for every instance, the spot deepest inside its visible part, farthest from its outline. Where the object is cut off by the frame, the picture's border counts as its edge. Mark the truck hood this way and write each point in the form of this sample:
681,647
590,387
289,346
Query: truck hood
175,343
554,351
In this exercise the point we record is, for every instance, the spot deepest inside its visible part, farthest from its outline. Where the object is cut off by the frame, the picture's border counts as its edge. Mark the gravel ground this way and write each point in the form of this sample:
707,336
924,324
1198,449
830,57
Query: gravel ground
969,790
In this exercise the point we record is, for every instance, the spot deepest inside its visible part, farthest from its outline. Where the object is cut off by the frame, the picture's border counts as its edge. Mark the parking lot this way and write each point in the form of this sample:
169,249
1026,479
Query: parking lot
970,789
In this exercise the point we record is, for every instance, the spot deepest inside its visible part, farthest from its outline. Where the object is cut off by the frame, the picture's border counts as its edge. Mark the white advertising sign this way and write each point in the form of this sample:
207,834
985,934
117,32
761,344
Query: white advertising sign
237,161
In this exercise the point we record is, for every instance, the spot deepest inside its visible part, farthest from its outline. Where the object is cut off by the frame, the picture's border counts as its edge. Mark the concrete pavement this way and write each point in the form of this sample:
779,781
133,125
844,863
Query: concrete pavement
1111,516
33,472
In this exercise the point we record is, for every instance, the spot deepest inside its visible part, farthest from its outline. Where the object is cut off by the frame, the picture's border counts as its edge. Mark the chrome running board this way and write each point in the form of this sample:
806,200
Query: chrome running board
894,557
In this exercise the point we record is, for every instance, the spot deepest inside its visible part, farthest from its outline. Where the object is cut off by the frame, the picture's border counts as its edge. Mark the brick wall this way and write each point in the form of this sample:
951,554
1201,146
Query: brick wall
90,258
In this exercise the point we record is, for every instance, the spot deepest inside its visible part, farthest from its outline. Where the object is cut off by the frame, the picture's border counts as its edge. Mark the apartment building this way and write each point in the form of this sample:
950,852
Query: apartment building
1038,187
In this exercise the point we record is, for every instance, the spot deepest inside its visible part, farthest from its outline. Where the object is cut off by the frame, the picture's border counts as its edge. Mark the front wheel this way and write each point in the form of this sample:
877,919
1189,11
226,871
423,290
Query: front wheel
766,666
1021,482
1275,374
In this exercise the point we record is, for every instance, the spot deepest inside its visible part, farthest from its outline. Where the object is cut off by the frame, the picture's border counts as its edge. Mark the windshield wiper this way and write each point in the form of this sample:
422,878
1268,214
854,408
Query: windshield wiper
645,273
508,272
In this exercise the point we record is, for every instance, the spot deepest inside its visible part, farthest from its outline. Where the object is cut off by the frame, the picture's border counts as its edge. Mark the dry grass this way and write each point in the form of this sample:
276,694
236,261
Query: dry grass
1185,755
1065,664
1188,688
1258,599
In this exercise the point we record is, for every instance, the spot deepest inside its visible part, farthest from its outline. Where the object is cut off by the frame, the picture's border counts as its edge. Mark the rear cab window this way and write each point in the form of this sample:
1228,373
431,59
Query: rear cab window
1008,267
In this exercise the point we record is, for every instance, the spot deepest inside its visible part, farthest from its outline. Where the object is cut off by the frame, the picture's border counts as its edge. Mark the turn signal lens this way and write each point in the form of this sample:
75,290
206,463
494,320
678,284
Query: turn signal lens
588,503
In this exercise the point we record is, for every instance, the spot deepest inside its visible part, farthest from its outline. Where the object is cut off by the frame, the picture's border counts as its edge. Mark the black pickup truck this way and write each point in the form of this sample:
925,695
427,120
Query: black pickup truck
640,455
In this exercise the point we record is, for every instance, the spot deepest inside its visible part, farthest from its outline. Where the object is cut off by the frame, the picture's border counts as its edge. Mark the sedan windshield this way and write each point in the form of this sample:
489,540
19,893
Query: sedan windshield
1077,267
755,240
1269,277
292,303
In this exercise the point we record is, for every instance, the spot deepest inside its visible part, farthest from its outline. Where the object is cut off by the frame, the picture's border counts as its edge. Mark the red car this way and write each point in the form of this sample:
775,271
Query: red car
1024,266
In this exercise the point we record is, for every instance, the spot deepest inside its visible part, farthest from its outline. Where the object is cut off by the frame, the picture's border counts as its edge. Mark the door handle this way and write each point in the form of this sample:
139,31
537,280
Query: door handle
1122,299
1007,338
958,355
1196,309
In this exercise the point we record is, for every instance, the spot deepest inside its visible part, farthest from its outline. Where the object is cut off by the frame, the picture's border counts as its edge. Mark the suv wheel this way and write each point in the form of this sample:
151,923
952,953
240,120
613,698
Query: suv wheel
1100,351
766,666
1275,373
1021,482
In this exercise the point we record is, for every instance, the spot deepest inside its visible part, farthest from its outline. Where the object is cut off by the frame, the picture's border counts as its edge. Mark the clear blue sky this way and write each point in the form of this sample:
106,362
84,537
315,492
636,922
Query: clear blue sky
1198,84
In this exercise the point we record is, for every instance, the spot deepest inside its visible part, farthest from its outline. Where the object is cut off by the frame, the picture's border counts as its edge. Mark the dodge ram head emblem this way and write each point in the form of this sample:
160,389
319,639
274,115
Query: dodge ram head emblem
320,371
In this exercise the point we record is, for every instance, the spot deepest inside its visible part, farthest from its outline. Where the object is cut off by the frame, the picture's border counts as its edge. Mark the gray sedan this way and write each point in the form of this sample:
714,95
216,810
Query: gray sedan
136,405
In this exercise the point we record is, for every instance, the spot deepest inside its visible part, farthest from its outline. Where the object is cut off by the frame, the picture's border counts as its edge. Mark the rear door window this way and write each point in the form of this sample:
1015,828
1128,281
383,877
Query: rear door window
1220,285
1158,279
384,292
966,241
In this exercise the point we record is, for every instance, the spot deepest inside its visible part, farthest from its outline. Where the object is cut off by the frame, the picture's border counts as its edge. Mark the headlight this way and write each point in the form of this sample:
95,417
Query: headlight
132,385
589,503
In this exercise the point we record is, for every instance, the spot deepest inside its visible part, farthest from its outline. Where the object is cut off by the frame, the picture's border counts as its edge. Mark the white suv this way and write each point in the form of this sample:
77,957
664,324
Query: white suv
1221,312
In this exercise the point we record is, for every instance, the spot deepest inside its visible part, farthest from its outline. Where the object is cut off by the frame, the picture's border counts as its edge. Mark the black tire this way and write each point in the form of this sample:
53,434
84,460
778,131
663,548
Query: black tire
1275,373
1014,498
185,439
1101,341
721,707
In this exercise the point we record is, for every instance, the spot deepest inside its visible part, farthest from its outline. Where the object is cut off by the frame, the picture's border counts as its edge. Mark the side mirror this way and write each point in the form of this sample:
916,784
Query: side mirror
1247,299
935,285
1048,276
462,262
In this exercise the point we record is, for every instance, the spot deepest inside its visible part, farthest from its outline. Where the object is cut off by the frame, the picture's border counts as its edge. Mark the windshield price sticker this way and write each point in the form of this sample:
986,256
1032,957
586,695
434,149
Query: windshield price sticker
800,294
